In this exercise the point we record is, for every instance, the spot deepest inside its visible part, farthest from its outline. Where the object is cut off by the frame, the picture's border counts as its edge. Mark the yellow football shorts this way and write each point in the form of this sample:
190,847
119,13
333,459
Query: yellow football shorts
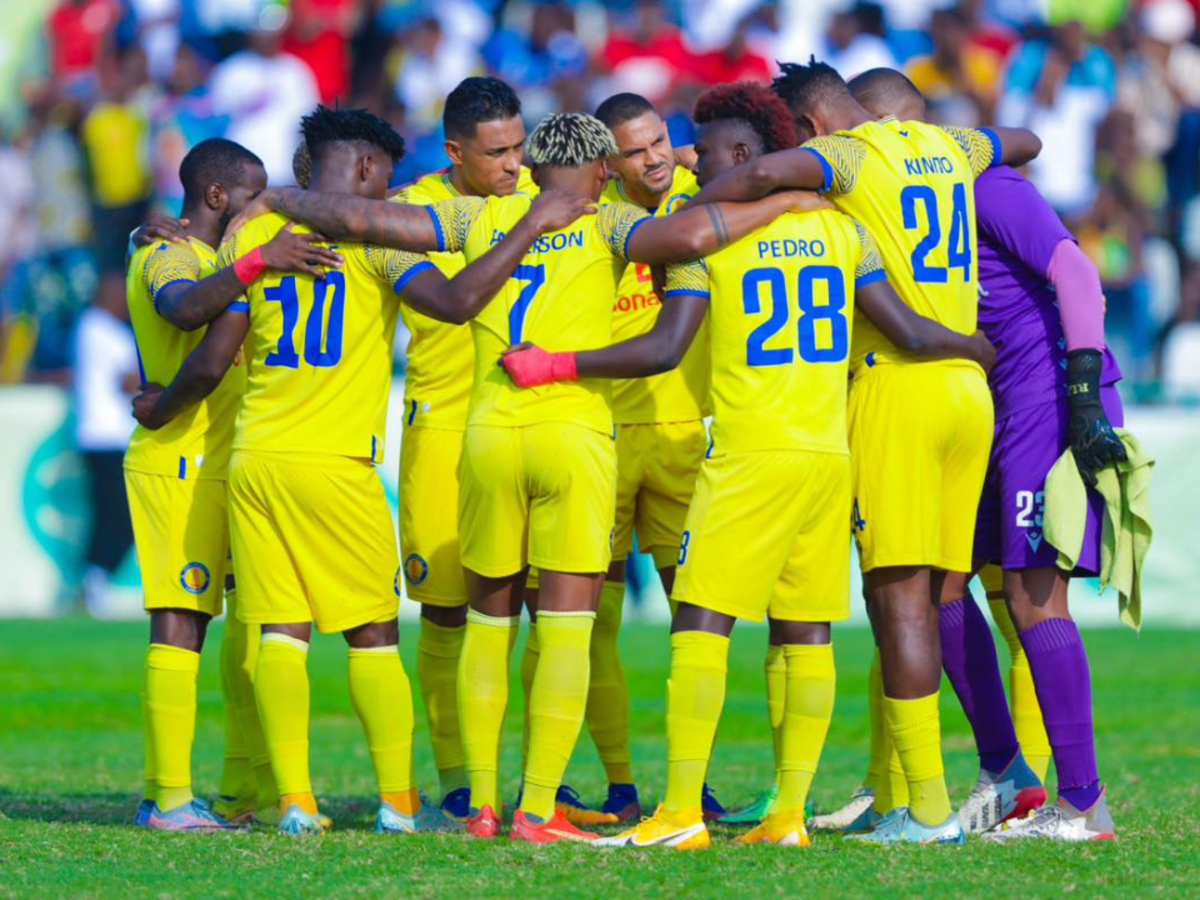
920,436
657,465
537,495
767,534
181,527
313,541
432,563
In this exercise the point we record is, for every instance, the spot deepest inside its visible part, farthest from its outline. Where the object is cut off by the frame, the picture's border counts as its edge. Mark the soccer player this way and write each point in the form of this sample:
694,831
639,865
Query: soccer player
485,140
919,434
538,468
1041,305
311,531
660,441
176,478
781,302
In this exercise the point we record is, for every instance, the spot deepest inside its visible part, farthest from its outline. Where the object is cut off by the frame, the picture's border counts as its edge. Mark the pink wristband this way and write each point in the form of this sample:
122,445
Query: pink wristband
250,268
562,367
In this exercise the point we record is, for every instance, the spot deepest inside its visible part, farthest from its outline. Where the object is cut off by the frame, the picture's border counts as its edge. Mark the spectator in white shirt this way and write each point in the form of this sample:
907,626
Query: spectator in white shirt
106,377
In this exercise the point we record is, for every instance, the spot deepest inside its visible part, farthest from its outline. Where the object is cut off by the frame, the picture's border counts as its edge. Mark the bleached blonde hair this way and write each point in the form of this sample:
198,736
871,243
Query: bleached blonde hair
569,140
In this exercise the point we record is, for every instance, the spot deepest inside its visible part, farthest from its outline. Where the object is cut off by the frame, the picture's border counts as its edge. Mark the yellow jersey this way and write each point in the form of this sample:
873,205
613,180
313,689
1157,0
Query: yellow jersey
197,442
441,356
680,395
560,298
911,184
781,307
319,352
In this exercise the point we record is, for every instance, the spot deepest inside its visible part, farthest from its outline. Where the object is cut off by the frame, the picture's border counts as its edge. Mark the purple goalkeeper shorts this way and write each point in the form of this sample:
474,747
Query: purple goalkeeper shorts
1025,448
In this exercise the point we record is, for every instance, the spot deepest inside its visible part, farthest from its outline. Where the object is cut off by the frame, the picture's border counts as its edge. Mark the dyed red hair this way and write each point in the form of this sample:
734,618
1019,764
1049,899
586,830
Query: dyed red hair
752,103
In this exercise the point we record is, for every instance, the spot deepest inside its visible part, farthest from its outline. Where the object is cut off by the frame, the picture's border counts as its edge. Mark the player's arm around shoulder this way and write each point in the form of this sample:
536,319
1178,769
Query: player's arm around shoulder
387,223
909,331
661,349
696,231
994,146
188,305
201,372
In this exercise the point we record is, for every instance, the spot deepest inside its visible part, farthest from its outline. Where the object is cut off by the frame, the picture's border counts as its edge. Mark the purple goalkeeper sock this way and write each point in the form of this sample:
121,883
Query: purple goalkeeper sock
969,658
1063,683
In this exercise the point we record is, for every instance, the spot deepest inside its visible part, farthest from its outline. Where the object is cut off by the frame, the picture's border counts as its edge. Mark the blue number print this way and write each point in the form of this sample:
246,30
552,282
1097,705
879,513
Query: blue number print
756,352
536,276
684,540
285,295
832,312
806,325
960,233
909,197
316,329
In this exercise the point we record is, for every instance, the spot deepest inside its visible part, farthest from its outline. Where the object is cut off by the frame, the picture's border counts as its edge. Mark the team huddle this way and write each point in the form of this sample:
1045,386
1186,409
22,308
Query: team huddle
837,318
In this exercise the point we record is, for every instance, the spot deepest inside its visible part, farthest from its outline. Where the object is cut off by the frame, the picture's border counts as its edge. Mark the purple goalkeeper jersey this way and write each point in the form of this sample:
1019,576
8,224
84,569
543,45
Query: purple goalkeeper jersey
1018,232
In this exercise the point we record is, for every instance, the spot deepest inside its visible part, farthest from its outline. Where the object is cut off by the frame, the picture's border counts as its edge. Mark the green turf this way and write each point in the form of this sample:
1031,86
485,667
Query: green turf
71,752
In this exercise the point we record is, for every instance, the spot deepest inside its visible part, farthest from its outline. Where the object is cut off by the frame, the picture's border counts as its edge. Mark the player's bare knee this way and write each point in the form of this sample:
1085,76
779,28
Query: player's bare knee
569,591
183,628
811,633
373,634
445,616
298,631
616,571
689,617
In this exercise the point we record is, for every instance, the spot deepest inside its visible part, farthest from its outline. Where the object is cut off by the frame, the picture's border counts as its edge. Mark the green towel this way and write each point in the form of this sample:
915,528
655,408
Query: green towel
1125,539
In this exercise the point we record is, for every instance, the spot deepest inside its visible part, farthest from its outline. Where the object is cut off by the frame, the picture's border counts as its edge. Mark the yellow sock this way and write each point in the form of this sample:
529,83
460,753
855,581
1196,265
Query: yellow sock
808,707
482,700
884,774
237,676
1026,711
557,700
237,774
608,694
382,699
775,667
438,649
281,688
917,733
170,703
529,662
150,788
695,697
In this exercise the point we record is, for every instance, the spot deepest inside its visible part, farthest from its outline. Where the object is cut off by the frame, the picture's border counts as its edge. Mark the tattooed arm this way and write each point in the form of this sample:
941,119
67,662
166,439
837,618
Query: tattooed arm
348,218
700,230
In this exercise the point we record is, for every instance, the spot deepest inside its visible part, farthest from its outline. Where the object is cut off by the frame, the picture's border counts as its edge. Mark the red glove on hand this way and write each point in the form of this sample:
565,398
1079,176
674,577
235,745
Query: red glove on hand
533,366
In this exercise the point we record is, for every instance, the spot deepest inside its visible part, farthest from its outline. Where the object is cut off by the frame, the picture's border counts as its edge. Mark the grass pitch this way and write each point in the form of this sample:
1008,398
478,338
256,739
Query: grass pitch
71,756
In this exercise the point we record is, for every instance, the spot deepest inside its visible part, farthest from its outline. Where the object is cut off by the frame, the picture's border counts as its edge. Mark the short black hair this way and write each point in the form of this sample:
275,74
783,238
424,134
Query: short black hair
214,161
885,89
325,126
475,101
804,88
621,108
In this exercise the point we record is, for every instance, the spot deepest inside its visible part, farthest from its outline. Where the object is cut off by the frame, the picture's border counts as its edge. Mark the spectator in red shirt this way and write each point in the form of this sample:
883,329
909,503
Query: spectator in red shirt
320,35
76,31
649,54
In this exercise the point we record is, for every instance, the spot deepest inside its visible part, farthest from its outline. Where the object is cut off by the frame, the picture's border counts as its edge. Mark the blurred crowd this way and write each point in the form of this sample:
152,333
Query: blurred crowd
100,100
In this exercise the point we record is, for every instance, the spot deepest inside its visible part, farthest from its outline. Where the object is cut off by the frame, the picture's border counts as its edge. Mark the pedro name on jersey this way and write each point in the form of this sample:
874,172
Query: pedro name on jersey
781,310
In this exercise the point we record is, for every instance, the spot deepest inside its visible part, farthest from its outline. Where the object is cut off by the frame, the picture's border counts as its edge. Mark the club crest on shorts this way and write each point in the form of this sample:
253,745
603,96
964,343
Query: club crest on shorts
416,570
195,578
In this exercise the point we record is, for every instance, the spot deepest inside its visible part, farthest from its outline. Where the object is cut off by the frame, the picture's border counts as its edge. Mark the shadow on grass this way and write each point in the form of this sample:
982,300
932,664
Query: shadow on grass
118,808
